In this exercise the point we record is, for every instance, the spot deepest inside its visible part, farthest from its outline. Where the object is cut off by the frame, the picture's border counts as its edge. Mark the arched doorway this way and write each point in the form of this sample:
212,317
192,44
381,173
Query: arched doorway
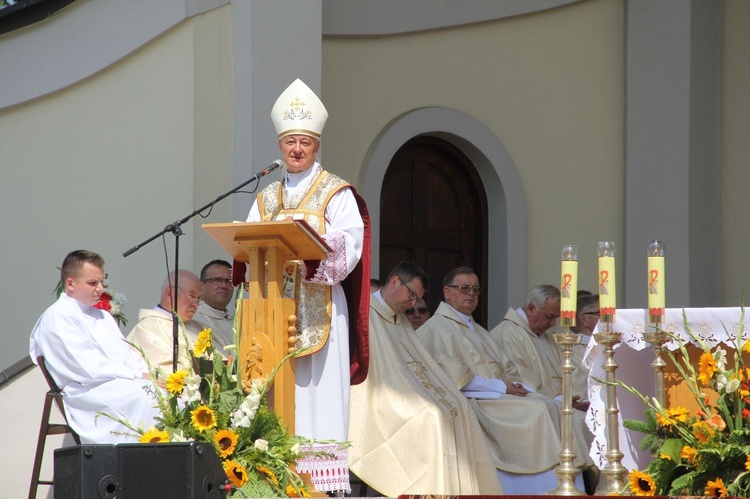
433,211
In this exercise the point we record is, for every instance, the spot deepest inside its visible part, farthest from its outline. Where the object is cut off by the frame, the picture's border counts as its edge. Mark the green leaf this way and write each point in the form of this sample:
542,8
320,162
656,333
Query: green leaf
672,447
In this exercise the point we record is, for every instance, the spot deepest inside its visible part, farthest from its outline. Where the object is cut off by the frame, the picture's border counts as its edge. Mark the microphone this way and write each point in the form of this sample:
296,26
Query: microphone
269,169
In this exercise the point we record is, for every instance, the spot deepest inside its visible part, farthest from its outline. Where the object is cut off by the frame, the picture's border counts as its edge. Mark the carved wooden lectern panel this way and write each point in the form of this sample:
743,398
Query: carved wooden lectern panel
267,320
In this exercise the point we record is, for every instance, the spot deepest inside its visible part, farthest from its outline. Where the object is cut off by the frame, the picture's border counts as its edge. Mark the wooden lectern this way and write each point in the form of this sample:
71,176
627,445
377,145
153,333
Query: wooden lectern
268,330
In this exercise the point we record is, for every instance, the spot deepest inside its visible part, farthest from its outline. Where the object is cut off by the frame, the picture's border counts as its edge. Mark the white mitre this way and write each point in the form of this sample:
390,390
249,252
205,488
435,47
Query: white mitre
298,111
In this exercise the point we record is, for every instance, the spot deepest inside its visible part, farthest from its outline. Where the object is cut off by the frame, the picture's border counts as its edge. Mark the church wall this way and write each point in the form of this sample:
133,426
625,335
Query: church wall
549,85
103,165
735,151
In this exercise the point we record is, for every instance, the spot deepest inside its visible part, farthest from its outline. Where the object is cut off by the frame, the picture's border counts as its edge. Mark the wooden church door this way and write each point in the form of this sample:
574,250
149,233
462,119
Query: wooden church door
433,211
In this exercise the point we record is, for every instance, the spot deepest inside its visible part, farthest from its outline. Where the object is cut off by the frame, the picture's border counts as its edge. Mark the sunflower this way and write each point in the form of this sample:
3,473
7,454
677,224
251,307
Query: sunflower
202,343
747,463
154,436
673,416
641,484
236,473
227,441
688,453
702,431
203,418
176,382
716,489
706,368
270,474
293,492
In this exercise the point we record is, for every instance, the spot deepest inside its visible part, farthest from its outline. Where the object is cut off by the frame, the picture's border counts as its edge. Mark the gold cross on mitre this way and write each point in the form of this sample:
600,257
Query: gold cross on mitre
298,110
297,103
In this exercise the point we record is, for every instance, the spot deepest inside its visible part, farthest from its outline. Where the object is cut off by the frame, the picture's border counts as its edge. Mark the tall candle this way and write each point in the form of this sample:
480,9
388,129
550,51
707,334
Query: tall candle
569,285
656,299
607,282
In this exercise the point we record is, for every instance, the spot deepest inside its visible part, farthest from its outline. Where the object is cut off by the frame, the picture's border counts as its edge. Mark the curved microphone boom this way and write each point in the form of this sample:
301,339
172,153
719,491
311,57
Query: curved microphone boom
175,227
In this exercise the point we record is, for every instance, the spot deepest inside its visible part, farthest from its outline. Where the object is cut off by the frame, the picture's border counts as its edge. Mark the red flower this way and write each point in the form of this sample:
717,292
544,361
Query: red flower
104,302
746,413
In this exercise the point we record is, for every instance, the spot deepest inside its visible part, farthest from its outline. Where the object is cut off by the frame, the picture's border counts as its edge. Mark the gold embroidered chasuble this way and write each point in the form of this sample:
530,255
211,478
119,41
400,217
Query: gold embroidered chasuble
534,358
313,300
412,431
523,433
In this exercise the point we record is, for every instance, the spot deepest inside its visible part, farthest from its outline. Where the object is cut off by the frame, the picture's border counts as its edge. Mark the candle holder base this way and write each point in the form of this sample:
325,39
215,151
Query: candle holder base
566,472
657,339
614,471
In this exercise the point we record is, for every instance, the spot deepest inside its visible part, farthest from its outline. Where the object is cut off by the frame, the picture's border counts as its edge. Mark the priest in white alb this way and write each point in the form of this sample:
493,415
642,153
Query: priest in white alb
88,358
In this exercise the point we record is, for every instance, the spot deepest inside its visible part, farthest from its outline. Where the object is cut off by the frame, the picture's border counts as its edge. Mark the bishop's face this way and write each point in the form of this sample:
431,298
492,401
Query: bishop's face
298,152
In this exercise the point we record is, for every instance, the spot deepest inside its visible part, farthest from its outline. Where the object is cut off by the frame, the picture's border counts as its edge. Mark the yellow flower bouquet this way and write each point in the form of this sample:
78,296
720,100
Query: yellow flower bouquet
706,452
207,404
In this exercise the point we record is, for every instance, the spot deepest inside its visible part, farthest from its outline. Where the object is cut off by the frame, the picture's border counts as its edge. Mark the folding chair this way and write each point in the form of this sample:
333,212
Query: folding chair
46,428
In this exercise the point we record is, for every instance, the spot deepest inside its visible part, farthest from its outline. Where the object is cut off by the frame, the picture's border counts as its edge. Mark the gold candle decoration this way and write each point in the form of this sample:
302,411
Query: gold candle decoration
569,285
607,282
656,299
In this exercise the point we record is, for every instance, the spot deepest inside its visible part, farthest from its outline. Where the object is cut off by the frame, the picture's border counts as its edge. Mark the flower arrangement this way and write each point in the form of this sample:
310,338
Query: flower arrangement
113,302
207,404
109,301
708,452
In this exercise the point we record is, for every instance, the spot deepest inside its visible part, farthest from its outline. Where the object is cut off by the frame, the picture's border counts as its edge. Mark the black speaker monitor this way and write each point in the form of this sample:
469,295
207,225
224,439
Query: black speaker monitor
85,471
189,470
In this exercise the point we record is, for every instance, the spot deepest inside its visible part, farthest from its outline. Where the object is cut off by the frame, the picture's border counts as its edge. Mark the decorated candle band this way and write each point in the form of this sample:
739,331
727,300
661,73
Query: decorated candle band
607,289
568,292
656,315
656,299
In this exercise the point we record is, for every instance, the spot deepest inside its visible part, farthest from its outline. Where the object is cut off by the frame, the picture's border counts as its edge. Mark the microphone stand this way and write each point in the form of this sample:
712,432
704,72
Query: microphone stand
176,229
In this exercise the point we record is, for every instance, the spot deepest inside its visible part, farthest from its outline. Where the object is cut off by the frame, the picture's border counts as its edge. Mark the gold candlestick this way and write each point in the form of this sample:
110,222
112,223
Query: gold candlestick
566,471
614,471
657,339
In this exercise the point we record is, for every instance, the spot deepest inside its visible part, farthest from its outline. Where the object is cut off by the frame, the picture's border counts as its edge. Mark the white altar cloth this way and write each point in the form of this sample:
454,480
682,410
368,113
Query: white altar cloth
712,325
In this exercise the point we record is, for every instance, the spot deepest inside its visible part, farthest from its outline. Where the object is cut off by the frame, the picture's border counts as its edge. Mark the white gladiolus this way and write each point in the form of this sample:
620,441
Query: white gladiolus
721,381
733,385
180,437
189,396
240,420
193,382
245,413
721,358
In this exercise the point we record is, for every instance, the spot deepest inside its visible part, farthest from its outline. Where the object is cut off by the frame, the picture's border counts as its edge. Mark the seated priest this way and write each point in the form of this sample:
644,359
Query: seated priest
412,431
521,427
153,332
213,311
88,358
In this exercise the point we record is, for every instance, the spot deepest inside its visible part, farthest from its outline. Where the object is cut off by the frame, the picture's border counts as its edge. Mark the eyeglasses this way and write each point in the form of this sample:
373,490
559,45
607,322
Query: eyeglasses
421,310
218,280
192,297
465,288
413,297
